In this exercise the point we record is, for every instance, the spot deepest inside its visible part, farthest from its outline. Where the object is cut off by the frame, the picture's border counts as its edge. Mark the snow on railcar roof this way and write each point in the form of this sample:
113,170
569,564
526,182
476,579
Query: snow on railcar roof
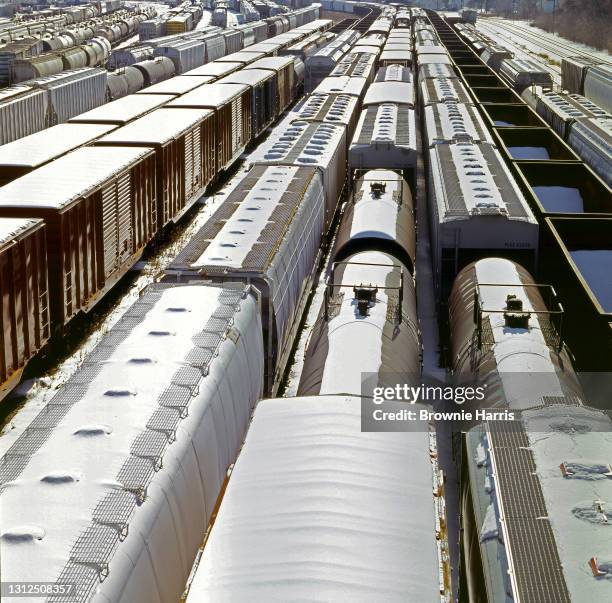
436,70
43,146
399,93
234,238
63,181
440,90
272,63
157,127
342,83
123,109
214,69
13,228
250,77
241,57
177,85
369,545
472,179
210,95
394,73
304,143
113,438
454,122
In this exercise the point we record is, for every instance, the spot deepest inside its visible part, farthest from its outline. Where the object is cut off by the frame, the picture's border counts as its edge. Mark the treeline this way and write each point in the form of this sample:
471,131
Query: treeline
586,21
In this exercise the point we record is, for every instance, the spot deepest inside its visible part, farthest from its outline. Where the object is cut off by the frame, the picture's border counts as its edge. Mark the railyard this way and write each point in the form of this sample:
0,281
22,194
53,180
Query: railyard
250,235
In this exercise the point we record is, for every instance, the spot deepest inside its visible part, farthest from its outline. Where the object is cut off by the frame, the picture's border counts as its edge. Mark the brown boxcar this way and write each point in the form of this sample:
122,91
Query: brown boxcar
184,142
232,106
284,69
99,205
123,110
26,154
24,294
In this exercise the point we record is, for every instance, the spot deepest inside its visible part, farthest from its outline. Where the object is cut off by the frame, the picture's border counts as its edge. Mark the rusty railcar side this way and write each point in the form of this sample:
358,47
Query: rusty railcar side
99,205
232,106
184,145
24,293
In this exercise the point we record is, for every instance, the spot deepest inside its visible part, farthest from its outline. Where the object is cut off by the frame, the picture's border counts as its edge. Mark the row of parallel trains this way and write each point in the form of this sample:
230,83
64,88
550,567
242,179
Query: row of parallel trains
156,415
557,144
505,327
88,45
145,63
139,449
126,185
585,124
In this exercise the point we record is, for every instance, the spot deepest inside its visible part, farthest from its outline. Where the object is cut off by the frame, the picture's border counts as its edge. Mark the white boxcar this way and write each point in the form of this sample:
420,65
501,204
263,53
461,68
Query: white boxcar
598,86
344,84
476,209
117,477
23,111
592,141
394,73
267,232
303,144
332,108
73,92
316,509
356,65
560,110
185,54
454,122
440,90
385,138
435,70
400,93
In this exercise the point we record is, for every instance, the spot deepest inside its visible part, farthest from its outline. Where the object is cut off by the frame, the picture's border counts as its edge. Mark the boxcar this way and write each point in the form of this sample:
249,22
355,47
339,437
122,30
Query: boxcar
26,154
123,110
99,208
232,106
184,142
264,96
24,294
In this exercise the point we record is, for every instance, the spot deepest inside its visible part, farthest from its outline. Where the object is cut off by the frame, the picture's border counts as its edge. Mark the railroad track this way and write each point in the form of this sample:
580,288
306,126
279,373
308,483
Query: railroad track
543,41
360,23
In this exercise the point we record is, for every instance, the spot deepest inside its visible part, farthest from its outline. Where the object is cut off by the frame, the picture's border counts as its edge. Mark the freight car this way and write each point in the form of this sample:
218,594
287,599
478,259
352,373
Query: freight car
265,99
126,80
561,110
232,106
370,296
262,478
592,140
25,320
318,145
155,416
285,70
332,108
184,143
124,110
22,156
442,90
23,111
343,84
476,209
273,219
522,73
88,255
156,70
502,326
450,122
385,137
356,65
